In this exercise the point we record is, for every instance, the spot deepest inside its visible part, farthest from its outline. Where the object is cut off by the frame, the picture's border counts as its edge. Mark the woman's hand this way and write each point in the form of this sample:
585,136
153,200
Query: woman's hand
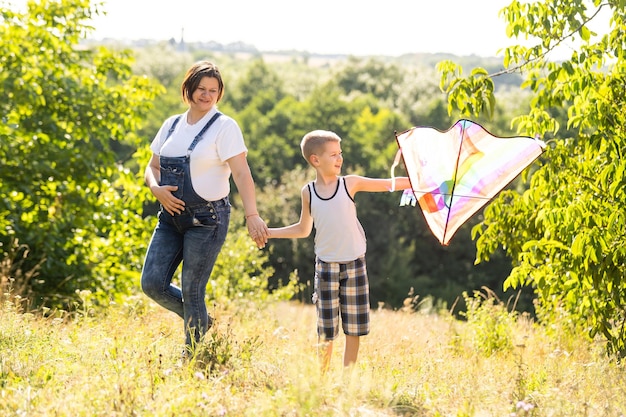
163,193
171,204
258,230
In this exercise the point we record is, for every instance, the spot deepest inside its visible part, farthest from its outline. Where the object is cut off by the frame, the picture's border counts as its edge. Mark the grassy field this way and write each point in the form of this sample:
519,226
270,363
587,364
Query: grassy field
262,361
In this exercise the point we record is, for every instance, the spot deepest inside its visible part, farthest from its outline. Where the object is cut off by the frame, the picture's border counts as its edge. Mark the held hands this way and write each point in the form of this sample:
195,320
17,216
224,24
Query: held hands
257,229
171,204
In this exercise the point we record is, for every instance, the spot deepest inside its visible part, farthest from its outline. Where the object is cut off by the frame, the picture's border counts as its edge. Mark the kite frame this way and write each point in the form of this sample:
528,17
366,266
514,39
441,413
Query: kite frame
465,124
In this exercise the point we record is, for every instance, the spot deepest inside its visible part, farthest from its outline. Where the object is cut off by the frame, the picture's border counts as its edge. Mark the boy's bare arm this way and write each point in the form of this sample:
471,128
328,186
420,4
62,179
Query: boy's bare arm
297,230
294,231
358,183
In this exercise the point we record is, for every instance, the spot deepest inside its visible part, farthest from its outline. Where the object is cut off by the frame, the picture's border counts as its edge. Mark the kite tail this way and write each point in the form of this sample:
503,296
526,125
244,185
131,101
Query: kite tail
408,198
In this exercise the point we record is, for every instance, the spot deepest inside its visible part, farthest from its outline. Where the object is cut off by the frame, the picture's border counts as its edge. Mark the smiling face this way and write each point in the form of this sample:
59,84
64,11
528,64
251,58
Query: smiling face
206,95
330,160
203,86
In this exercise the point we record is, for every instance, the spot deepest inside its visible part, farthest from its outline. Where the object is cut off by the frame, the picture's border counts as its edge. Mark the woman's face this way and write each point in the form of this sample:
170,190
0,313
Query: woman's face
206,95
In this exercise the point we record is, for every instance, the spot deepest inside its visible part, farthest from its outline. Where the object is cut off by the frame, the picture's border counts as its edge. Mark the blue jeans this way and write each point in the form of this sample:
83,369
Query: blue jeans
194,238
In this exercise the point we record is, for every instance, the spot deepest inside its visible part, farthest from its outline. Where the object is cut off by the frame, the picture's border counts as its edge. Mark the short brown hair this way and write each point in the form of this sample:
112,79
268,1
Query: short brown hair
195,74
314,141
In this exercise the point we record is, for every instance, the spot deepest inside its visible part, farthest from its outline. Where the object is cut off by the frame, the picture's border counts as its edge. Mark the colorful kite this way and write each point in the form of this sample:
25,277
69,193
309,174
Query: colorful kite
455,173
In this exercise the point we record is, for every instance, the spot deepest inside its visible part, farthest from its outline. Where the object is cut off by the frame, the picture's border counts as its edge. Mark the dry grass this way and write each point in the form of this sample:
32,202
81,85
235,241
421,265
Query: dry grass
263,362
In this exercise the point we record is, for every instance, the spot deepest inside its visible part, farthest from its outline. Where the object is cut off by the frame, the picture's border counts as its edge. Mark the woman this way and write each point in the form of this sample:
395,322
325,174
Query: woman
194,155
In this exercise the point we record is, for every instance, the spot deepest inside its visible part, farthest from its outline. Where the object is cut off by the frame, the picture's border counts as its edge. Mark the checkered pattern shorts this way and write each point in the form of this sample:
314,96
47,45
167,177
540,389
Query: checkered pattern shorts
342,289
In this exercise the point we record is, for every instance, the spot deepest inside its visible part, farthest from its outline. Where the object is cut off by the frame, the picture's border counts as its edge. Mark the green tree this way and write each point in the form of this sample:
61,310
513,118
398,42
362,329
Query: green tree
168,66
382,80
260,85
566,234
64,195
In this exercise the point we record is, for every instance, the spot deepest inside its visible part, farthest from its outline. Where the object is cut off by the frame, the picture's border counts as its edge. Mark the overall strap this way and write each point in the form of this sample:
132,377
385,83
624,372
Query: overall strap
169,132
199,135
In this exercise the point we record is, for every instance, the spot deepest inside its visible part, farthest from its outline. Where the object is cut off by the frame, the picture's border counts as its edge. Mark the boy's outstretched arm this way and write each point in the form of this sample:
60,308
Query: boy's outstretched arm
297,230
356,183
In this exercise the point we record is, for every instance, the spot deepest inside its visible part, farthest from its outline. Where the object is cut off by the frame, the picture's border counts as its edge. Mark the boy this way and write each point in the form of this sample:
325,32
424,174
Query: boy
341,284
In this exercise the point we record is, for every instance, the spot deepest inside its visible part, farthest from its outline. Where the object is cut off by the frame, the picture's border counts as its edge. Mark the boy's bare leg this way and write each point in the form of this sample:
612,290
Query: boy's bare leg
352,350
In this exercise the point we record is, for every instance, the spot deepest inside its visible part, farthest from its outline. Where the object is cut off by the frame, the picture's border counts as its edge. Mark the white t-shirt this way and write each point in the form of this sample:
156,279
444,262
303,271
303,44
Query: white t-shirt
209,171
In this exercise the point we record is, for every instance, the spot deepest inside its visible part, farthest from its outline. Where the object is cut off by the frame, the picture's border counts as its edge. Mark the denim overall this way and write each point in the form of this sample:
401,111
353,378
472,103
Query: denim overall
194,237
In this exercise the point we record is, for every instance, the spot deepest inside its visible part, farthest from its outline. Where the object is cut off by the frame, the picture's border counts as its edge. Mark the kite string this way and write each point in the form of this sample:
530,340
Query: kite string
396,161
408,197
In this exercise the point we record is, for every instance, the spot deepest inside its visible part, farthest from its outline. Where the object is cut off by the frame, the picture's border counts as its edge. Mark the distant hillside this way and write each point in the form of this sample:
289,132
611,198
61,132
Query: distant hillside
246,51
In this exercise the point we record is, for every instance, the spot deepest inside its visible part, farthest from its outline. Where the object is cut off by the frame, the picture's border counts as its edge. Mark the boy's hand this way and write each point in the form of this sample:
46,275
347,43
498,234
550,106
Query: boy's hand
258,230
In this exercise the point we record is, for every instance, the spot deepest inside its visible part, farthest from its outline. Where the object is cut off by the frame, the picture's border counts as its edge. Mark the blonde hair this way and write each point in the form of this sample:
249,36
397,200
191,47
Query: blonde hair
314,141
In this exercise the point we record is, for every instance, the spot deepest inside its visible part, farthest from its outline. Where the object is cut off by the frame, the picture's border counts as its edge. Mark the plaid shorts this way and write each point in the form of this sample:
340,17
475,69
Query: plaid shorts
342,288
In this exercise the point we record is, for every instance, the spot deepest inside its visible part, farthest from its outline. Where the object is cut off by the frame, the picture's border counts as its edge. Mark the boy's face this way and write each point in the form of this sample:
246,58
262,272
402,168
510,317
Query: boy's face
330,160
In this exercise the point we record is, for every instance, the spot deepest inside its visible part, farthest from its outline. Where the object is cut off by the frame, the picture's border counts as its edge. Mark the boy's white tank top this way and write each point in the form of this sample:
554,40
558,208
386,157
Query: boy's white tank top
339,236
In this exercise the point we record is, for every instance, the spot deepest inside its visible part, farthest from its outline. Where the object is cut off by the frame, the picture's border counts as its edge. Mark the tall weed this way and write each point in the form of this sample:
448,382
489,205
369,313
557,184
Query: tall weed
489,322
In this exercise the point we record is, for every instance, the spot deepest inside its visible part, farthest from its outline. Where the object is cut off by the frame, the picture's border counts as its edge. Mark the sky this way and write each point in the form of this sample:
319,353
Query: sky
355,27
347,27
